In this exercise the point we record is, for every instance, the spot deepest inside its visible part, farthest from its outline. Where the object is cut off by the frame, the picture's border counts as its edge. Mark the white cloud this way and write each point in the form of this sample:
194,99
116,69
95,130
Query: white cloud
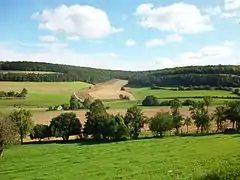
215,11
76,20
178,17
232,5
208,55
48,38
154,43
130,42
174,38
73,38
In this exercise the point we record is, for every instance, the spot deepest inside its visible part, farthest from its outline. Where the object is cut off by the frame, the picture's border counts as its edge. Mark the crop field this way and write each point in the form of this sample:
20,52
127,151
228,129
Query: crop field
41,94
167,158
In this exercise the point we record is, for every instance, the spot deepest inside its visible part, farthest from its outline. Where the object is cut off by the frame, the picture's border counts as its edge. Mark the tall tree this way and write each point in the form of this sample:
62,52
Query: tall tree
23,120
233,113
220,117
177,118
201,116
187,122
135,120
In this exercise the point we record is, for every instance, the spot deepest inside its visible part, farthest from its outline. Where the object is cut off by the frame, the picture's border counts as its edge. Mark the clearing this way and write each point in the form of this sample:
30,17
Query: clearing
167,158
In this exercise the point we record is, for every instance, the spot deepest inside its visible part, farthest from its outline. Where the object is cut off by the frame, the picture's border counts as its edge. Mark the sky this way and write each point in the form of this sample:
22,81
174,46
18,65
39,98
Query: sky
121,34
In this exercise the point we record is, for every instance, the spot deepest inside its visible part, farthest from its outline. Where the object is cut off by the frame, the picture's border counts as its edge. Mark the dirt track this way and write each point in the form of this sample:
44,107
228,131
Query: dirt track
109,90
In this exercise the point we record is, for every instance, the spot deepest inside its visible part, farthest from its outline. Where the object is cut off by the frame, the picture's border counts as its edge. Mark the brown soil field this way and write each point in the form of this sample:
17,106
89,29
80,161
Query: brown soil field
110,90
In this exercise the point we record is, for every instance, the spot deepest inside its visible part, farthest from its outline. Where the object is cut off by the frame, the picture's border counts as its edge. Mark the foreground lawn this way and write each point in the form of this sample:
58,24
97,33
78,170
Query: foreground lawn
168,158
41,94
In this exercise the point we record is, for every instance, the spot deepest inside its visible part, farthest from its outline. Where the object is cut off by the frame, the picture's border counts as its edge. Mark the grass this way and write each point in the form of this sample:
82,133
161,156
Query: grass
167,158
41,94
141,93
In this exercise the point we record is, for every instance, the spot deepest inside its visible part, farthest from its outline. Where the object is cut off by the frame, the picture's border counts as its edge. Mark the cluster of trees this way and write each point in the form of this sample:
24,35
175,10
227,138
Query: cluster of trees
11,94
101,125
154,101
63,73
182,88
74,104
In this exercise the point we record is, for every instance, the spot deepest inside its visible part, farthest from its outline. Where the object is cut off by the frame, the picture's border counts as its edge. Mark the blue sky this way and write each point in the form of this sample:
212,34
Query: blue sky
121,34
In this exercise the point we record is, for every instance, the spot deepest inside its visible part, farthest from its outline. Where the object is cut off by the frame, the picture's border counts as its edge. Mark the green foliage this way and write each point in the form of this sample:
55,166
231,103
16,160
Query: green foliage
134,119
75,104
233,113
187,121
23,121
201,116
220,117
14,94
65,125
8,133
150,101
87,103
40,132
161,123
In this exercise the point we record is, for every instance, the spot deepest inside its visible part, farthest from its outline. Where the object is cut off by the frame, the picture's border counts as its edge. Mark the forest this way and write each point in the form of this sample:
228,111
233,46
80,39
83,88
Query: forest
212,75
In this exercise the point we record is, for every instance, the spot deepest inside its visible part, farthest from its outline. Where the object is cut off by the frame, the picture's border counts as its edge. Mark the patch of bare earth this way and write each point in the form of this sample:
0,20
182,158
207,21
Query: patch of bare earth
110,90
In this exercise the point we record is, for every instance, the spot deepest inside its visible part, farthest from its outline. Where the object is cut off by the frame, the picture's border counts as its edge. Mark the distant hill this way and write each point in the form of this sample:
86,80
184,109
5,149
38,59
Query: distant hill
212,75
63,72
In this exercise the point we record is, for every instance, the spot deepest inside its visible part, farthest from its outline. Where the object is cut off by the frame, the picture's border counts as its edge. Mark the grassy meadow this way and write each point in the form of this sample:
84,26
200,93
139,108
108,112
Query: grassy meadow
167,158
41,94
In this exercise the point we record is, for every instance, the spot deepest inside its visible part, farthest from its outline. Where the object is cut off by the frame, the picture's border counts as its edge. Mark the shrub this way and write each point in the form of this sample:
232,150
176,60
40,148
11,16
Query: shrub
87,103
161,123
124,97
150,101
40,132
188,102
8,133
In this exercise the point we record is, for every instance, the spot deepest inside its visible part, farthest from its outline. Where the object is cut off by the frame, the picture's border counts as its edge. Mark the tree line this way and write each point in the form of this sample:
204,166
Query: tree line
100,125
213,76
12,94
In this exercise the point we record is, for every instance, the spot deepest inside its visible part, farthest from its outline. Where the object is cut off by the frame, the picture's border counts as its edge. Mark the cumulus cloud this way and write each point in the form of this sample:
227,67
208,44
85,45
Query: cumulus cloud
178,17
232,5
130,42
48,38
76,20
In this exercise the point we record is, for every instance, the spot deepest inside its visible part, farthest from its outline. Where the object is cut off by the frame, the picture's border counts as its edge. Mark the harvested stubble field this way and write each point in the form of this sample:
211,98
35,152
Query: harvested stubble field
167,158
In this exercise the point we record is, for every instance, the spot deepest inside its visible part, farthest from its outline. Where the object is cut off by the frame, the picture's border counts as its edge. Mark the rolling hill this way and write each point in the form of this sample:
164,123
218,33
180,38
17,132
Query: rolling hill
212,75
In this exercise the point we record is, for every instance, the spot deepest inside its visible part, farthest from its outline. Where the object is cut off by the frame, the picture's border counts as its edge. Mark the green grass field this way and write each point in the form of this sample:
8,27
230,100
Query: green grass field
41,94
141,93
167,158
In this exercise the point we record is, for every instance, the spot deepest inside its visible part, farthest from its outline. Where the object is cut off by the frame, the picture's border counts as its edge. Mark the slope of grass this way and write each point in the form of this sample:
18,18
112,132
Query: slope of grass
28,72
168,158
141,93
41,94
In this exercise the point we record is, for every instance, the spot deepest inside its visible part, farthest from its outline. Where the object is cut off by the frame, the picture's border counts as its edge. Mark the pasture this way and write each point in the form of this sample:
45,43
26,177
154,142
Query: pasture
41,94
167,158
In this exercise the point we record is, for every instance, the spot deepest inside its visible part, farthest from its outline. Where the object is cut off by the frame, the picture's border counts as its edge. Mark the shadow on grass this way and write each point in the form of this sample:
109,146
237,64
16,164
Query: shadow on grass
94,142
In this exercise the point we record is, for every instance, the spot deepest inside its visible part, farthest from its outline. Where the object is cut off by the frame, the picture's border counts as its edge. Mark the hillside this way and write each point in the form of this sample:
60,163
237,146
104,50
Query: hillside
62,73
218,75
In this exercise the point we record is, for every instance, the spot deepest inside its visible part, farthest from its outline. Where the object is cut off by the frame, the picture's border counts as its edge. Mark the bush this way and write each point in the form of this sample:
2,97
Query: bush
165,103
123,97
87,103
150,101
161,123
8,133
40,132
188,102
